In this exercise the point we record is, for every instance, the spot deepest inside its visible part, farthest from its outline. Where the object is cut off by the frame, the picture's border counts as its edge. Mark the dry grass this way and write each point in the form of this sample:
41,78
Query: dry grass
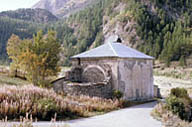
27,121
43,104
177,72
7,80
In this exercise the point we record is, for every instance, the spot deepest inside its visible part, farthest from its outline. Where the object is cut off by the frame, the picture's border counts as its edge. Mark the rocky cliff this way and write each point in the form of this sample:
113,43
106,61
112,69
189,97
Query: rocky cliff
63,8
33,15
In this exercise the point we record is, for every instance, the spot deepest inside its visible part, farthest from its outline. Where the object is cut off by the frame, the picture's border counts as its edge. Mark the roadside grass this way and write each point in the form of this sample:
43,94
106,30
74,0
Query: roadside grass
44,104
8,80
172,74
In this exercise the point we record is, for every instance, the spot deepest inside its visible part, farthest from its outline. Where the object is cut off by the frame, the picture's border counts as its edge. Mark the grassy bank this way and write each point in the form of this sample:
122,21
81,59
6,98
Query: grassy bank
8,80
44,104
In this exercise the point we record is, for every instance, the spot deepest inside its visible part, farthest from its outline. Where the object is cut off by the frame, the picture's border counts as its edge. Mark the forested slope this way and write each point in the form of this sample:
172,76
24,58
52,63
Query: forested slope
21,28
160,28
33,15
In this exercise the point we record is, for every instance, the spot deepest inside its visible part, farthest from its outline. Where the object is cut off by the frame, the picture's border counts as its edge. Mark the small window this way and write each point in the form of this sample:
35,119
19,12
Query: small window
79,61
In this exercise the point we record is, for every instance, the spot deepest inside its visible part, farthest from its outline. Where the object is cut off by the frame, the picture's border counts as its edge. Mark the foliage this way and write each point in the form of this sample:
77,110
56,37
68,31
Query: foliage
38,58
117,94
33,15
176,106
14,47
168,119
164,27
23,29
179,93
180,103
165,35
176,111
78,32
43,104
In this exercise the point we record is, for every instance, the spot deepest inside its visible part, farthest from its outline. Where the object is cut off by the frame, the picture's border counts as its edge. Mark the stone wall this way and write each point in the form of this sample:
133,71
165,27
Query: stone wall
97,69
93,77
75,74
136,79
100,89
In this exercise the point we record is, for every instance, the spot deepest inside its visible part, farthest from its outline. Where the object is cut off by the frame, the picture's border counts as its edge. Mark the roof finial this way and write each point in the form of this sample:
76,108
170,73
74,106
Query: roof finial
119,40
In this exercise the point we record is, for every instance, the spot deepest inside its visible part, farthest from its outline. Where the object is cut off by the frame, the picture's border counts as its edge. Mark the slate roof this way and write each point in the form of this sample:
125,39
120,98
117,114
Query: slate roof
114,49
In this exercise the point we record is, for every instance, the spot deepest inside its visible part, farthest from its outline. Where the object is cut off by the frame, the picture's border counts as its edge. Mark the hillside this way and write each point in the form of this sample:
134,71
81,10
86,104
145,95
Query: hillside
160,28
23,29
33,15
63,8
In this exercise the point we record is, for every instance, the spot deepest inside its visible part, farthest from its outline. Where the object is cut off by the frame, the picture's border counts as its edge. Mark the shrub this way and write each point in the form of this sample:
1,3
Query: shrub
117,94
176,106
180,103
179,92
161,113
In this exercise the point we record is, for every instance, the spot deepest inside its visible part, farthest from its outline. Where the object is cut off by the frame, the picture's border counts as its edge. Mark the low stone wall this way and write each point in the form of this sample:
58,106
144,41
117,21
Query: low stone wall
102,89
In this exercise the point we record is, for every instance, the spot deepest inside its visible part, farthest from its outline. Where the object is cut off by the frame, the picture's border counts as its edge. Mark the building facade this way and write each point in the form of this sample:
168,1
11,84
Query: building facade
109,67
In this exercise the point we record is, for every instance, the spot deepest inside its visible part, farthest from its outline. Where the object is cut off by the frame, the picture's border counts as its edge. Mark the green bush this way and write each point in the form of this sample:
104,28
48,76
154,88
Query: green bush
117,94
179,92
180,103
176,106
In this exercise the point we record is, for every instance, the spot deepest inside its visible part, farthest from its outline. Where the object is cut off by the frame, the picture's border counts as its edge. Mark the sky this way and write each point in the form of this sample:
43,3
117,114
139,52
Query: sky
16,4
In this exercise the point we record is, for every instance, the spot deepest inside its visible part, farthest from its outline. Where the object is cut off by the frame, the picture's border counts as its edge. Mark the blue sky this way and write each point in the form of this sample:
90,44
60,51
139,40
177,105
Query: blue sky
15,4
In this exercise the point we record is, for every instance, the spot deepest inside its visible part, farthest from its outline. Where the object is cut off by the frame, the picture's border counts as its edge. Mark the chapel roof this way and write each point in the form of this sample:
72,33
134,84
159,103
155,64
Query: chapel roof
113,49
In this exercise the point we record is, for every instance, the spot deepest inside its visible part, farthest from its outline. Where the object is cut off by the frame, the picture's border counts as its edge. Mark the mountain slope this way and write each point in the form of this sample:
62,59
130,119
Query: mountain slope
23,29
63,8
33,15
51,5
160,28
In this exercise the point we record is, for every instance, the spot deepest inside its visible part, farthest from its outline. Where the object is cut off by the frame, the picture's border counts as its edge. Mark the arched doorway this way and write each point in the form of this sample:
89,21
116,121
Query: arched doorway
94,74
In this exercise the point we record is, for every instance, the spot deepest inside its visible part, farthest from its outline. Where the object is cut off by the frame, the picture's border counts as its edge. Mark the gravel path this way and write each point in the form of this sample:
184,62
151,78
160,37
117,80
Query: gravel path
167,83
136,116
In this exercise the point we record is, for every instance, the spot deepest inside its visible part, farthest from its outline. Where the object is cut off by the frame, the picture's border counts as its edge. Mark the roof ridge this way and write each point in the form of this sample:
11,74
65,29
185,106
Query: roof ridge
113,49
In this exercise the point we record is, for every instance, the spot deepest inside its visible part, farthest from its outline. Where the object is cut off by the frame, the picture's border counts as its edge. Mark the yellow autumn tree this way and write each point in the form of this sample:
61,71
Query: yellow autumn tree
13,50
40,57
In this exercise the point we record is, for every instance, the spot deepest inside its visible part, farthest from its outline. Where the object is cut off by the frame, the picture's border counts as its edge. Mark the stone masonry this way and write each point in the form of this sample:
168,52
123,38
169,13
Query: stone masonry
91,83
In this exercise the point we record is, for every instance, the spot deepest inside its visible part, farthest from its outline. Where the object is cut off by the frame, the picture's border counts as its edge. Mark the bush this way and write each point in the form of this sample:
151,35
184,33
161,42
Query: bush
179,92
117,94
176,106
180,103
